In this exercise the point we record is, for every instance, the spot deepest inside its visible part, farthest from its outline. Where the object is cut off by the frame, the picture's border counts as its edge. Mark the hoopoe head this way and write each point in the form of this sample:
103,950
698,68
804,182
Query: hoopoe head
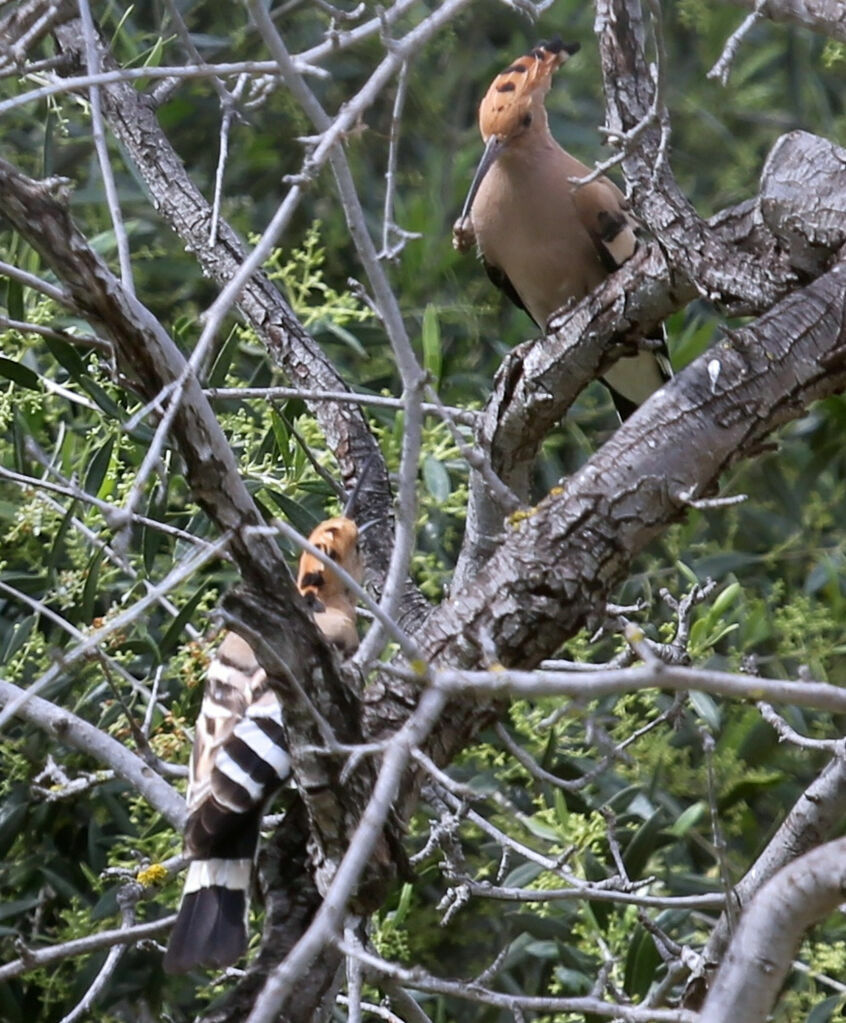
338,539
515,97
512,108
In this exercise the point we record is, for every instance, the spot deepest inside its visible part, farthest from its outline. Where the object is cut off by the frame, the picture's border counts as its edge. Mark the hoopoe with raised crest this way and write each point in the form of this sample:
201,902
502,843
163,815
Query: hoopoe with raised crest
545,241
239,761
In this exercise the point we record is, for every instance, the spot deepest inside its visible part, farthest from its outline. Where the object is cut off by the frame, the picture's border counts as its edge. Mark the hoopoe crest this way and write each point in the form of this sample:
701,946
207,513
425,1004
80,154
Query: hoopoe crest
544,241
240,760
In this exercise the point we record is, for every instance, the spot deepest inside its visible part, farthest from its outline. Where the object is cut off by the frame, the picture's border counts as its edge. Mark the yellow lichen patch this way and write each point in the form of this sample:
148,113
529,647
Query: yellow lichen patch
515,518
634,634
152,875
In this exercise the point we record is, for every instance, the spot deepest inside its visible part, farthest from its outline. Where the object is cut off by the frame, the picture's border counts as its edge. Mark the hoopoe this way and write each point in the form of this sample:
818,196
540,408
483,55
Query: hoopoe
544,241
240,760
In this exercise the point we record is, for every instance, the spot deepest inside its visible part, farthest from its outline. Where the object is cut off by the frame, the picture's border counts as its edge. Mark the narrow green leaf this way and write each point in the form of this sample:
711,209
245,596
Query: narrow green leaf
57,557
346,336
67,356
19,634
436,478
111,408
90,590
154,57
643,844
220,367
824,1012
98,467
691,816
282,437
523,875
431,334
542,830
642,960
725,600
706,708
14,300
19,374
561,811
293,511
173,635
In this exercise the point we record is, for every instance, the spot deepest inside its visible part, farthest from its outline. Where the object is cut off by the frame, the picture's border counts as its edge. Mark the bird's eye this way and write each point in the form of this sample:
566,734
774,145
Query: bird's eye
527,120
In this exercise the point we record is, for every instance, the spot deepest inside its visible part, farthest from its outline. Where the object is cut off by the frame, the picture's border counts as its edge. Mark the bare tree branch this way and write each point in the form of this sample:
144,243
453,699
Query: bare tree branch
811,821
37,957
71,730
825,16
770,930
189,214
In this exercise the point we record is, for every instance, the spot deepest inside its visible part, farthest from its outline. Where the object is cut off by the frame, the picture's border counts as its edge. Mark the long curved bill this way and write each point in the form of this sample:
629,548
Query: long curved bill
493,147
352,500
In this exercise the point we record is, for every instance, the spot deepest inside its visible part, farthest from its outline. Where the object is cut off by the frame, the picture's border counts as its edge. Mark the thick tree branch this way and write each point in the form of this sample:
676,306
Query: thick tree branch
811,821
38,957
770,930
738,282
799,211
557,567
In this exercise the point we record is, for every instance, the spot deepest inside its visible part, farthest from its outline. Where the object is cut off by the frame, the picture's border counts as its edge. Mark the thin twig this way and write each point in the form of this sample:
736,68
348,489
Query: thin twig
481,995
93,641
98,131
787,734
467,417
722,69
15,273
85,340
390,228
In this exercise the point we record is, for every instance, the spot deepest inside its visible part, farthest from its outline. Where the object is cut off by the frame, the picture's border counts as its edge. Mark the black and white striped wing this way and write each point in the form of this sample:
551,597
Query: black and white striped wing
238,762
605,214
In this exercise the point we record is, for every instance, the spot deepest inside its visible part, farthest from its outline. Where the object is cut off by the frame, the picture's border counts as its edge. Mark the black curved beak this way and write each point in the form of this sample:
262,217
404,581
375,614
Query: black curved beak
493,147
349,508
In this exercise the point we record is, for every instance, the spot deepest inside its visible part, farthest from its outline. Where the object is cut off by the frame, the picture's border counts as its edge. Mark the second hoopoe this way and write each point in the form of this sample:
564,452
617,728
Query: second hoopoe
543,240
240,760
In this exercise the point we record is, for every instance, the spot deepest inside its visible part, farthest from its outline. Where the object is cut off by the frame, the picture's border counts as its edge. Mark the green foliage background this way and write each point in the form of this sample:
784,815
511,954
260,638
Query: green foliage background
683,813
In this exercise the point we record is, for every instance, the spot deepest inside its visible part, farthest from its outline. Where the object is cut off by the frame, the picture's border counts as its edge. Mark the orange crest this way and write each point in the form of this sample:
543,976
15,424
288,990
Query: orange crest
507,106
338,539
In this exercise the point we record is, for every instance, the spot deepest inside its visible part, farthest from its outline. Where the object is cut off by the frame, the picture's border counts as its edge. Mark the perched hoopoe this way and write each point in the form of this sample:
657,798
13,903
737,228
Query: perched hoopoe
240,760
543,240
